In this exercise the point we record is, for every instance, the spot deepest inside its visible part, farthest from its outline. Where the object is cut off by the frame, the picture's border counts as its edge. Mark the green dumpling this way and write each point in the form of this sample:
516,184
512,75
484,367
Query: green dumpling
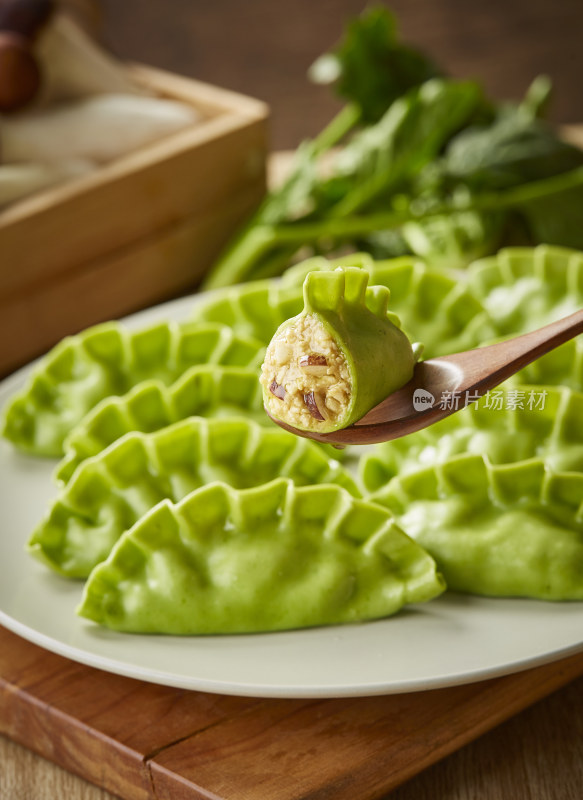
326,367
270,558
524,288
205,390
107,360
507,425
510,530
109,492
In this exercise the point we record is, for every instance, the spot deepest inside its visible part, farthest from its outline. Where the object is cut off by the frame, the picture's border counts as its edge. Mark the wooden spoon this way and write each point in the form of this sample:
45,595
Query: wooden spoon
442,386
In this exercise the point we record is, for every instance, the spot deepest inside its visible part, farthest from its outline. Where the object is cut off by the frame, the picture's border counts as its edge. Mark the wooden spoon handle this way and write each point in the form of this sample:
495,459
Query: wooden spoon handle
474,372
486,367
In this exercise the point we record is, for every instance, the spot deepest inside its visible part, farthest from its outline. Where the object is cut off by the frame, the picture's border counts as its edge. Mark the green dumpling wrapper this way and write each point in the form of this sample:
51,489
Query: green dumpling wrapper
256,308
111,491
507,425
270,558
510,530
435,303
328,366
205,390
524,288
110,359
520,286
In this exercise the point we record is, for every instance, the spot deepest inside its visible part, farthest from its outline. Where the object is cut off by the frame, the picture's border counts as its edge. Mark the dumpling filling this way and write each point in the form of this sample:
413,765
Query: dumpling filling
305,375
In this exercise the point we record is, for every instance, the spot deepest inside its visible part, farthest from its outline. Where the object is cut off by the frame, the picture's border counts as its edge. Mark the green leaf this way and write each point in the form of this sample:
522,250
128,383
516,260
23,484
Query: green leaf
370,67
374,164
537,97
383,157
516,148
454,241
557,217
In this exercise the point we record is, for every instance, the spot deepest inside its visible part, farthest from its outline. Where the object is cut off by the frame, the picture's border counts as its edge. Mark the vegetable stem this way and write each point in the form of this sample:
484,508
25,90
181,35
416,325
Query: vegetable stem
264,249
521,195
245,256
346,227
337,128
254,242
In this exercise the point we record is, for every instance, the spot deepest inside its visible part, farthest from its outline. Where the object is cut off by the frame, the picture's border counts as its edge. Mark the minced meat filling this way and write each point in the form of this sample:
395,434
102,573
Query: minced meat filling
305,375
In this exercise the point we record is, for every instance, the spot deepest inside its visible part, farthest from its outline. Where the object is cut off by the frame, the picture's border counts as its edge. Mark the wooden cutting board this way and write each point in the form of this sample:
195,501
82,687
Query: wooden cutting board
140,740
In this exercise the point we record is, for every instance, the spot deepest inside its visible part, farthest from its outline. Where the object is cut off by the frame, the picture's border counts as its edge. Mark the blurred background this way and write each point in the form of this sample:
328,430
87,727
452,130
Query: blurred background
264,48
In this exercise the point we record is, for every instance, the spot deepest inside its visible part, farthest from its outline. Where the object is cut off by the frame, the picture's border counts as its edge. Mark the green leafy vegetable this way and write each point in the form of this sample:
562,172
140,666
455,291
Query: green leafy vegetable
421,164
370,67
515,149
382,158
555,217
379,161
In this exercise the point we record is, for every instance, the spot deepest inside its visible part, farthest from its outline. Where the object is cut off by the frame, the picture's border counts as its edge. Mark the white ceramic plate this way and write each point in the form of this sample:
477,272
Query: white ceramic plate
452,640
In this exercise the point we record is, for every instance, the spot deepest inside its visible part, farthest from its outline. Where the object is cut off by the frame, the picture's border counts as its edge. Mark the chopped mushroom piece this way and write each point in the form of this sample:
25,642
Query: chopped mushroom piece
277,390
316,406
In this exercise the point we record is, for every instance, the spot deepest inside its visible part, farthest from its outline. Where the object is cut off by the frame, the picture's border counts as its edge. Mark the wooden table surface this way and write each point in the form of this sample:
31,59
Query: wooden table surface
534,756
537,755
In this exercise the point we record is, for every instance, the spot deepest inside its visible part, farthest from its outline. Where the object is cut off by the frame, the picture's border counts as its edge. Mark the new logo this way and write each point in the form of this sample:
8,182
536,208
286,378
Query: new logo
422,399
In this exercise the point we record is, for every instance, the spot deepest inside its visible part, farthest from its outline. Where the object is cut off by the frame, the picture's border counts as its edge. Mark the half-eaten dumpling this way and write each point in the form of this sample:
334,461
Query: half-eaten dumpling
325,368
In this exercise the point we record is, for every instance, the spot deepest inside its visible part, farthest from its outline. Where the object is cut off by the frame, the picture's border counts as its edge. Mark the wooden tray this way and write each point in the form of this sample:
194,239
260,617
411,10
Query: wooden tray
136,231
143,741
